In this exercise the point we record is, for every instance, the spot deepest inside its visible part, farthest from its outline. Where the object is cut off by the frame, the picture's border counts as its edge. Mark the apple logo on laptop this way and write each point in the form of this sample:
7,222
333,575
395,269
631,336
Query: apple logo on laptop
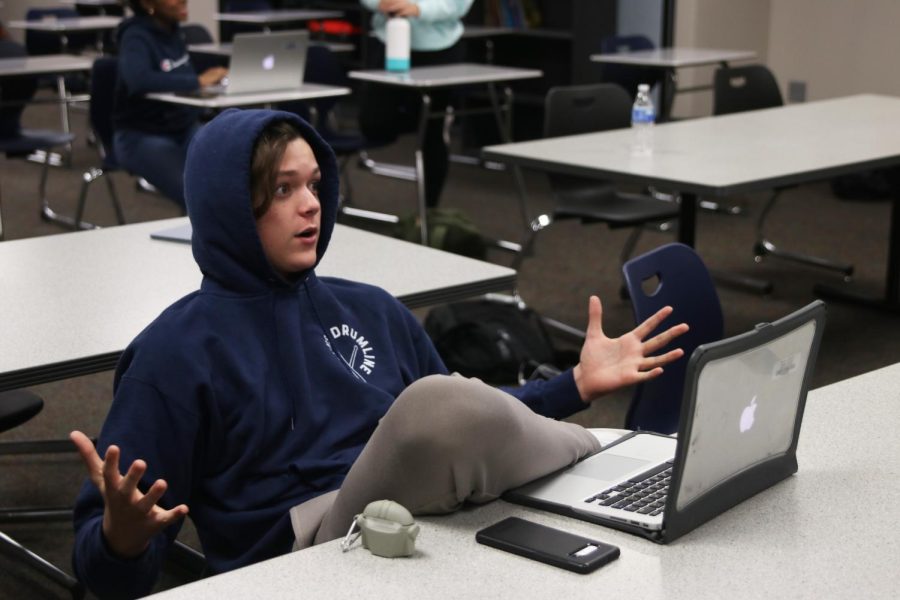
268,62
747,416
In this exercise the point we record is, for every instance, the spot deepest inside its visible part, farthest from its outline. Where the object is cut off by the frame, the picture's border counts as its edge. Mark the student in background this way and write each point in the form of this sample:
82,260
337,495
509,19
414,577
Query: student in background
276,404
151,137
435,31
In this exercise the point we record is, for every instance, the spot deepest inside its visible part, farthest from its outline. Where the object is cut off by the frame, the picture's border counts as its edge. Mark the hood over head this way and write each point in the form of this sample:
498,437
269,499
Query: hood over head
225,241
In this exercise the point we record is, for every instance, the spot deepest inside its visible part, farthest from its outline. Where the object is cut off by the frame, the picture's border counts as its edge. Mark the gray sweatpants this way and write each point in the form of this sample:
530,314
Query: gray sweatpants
446,440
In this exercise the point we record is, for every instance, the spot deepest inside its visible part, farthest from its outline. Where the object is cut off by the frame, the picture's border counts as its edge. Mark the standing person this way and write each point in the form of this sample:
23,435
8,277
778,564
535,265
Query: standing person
436,29
276,404
151,137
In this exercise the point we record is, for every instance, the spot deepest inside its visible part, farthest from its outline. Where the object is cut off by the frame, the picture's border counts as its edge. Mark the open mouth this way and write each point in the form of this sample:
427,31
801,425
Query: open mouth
308,233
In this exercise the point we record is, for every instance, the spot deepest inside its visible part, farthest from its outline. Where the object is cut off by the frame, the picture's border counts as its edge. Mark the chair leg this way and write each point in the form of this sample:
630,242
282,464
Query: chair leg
114,198
89,177
47,213
15,549
765,247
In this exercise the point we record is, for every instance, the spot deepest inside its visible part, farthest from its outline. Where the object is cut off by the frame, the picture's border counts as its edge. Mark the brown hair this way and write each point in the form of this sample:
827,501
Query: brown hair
267,155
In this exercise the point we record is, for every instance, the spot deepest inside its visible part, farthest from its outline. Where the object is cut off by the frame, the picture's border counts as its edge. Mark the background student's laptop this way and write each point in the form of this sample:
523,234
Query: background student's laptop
264,62
740,420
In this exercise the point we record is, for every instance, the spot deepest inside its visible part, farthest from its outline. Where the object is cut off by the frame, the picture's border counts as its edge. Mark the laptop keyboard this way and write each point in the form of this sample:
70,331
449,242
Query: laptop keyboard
644,494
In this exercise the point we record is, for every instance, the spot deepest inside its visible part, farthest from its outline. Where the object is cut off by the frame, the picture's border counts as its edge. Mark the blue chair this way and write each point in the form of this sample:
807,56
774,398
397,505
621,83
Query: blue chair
679,279
16,142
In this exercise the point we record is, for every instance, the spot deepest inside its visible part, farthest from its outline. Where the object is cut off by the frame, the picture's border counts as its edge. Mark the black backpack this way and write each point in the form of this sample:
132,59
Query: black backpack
497,342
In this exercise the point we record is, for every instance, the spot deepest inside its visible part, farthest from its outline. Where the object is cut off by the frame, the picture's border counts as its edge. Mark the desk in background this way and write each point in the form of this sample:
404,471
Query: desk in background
64,27
72,302
671,59
741,153
425,79
307,91
814,535
59,65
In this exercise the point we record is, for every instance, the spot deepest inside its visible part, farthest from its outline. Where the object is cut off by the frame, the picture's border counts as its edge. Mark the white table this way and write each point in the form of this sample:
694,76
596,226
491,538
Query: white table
44,65
810,536
671,59
425,79
307,91
740,153
267,18
72,302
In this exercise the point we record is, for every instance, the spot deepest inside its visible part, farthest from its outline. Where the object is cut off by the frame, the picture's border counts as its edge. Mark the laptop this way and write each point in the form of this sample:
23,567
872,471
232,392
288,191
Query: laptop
263,62
740,420
180,233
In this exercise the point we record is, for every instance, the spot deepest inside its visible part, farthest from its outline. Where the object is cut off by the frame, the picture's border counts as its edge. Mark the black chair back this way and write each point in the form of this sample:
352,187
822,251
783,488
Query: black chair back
15,92
572,110
104,75
746,87
578,109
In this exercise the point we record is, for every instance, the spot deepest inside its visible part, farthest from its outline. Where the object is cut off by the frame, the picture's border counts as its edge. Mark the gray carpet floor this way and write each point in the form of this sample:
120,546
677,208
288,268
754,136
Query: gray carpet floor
570,262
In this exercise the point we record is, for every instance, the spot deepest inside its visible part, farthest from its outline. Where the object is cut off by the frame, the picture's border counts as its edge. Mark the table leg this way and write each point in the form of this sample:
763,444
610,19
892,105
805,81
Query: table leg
424,116
890,301
503,116
687,234
687,220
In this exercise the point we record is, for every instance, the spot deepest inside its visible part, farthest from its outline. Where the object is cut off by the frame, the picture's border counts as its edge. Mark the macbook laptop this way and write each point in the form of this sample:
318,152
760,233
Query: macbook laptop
263,62
740,419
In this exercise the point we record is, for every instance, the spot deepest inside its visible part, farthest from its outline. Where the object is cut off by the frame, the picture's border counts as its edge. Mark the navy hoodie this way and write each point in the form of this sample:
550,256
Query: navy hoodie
152,59
255,393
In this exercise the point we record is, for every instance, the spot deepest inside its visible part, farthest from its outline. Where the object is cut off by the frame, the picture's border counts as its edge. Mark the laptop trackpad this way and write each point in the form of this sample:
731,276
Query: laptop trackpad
608,467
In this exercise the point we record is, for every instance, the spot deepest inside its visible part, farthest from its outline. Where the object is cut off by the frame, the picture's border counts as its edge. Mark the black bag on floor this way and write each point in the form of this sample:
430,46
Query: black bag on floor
497,342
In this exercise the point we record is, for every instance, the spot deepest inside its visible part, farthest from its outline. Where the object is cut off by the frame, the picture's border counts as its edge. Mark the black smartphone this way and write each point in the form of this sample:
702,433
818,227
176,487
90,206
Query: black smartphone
548,545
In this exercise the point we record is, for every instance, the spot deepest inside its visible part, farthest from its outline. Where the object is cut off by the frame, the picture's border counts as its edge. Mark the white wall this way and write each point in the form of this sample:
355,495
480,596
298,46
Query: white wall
838,47
731,24
835,47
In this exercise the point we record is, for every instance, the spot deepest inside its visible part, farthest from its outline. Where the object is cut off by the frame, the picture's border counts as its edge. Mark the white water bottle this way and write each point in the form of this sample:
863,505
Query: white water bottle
396,55
643,115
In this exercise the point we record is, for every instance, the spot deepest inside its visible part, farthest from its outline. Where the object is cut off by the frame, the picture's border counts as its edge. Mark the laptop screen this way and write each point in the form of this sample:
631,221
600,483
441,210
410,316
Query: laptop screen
745,411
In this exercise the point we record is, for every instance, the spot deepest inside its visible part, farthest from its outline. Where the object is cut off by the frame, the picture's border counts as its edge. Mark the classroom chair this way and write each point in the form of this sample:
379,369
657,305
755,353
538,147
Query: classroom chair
670,275
571,110
104,74
16,142
16,408
754,87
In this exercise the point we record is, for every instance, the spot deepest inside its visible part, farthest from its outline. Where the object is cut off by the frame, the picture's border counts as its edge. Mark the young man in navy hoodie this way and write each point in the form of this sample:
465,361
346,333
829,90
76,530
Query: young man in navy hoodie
277,404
